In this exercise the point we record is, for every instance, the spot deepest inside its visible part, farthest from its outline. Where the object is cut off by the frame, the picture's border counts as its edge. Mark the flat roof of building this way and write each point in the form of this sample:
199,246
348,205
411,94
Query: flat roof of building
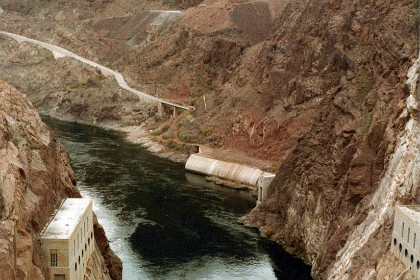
412,211
66,219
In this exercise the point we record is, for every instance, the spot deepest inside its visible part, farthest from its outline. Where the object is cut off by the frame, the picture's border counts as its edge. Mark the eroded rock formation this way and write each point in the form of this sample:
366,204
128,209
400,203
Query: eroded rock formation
332,200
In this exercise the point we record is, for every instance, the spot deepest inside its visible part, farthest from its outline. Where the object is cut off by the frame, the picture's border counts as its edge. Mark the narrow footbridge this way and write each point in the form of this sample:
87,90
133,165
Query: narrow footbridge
59,52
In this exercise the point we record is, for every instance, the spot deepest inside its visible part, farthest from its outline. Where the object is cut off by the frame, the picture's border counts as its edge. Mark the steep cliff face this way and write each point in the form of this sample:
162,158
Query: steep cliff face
332,200
366,251
35,176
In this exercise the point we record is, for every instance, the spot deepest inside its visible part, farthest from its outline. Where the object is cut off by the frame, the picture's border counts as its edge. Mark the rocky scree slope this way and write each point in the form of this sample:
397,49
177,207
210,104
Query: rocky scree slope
333,196
263,94
35,175
186,61
69,90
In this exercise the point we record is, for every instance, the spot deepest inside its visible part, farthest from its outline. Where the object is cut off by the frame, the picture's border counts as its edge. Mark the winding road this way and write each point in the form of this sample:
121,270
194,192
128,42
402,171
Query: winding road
59,52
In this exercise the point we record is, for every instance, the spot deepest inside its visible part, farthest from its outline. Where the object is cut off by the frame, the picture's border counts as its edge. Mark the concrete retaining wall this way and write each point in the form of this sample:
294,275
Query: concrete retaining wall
226,170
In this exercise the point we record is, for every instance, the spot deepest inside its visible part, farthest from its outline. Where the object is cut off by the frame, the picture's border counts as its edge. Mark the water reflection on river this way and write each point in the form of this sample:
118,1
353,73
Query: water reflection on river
164,223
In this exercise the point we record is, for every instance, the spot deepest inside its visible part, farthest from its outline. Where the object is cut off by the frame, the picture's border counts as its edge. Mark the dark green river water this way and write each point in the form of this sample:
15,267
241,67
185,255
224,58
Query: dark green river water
164,223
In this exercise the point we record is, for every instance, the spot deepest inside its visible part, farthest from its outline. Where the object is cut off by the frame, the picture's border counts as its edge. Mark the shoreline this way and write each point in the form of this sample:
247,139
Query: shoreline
135,135
140,136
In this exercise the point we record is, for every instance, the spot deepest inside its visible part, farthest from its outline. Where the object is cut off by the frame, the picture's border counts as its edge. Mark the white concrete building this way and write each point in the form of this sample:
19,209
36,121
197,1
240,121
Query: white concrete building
406,237
68,240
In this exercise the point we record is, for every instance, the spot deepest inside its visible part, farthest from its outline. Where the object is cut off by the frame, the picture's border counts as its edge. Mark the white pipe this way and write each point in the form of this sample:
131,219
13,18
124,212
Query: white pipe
226,170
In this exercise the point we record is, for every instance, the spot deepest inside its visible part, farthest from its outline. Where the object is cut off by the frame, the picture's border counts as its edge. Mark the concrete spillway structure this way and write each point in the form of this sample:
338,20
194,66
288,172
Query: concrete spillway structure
68,240
405,244
234,172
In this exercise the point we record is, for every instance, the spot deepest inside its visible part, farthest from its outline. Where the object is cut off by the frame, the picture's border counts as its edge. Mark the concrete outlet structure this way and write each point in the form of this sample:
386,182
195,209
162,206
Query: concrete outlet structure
264,182
225,170
68,240
234,172
406,237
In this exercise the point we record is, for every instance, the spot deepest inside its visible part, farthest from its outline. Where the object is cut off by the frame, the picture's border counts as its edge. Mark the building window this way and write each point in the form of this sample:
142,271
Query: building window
402,232
75,266
54,259
408,236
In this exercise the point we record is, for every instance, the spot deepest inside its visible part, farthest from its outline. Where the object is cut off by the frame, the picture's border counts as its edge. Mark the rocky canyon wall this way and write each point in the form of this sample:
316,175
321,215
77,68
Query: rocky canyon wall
366,252
333,199
317,86
35,175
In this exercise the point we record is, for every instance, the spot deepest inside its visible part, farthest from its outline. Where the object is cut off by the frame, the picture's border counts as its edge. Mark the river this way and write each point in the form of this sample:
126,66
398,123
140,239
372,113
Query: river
165,223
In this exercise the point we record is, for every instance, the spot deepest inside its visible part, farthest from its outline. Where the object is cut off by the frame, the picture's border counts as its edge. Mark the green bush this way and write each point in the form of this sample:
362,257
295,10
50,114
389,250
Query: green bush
367,122
168,134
